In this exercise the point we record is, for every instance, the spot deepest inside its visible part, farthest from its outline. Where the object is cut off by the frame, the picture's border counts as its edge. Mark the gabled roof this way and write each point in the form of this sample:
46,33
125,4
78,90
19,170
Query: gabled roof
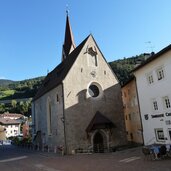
9,115
55,77
105,59
4,121
153,57
99,121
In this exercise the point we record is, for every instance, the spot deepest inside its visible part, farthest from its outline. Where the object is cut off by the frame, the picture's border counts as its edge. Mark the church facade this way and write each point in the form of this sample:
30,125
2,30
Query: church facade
79,104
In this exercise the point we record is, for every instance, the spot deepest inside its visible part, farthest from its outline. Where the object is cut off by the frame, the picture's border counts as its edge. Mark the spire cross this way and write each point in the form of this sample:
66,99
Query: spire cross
67,9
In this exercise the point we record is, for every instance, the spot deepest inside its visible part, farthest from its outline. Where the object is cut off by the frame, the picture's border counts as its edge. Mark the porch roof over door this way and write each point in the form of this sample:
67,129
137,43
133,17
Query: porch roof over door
99,121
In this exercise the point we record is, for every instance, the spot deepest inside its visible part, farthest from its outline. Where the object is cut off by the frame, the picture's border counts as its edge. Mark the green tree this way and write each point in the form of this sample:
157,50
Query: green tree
14,103
2,107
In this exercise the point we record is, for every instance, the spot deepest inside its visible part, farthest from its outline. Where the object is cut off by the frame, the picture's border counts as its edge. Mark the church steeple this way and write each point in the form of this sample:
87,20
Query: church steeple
69,44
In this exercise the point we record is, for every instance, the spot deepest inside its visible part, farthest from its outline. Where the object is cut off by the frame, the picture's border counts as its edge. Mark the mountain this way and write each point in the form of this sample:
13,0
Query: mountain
4,82
122,67
19,89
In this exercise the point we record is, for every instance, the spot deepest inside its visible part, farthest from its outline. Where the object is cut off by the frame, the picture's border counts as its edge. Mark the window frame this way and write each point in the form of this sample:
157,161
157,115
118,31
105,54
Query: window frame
166,102
159,134
92,57
93,90
49,116
129,116
150,78
155,105
160,73
99,89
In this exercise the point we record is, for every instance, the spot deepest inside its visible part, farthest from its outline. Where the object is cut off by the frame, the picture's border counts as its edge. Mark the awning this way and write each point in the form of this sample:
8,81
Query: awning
99,121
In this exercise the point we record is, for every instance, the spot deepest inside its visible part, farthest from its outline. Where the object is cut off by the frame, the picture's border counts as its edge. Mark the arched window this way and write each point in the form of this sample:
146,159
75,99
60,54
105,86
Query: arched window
92,57
57,98
93,60
49,117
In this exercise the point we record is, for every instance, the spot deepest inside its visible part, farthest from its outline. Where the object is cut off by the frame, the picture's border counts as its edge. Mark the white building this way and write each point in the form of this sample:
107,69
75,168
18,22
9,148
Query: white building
153,79
12,127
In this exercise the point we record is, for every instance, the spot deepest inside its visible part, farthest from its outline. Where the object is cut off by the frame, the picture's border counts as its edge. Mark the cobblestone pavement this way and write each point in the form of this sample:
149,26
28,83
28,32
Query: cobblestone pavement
19,159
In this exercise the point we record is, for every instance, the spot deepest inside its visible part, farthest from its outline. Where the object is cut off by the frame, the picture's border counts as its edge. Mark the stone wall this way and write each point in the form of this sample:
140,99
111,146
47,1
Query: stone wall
80,107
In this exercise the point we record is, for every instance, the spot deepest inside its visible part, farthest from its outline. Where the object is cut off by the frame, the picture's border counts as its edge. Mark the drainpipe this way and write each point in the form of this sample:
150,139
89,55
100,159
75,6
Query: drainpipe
33,119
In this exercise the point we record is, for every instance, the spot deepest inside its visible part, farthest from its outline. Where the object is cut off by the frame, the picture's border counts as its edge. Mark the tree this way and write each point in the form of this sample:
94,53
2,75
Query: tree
2,107
14,103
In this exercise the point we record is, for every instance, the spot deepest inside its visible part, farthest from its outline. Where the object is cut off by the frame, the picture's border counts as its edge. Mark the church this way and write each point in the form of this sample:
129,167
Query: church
79,105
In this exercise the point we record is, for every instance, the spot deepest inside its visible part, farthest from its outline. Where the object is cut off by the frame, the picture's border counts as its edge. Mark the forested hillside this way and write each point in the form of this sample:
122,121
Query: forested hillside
19,89
4,83
16,96
122,67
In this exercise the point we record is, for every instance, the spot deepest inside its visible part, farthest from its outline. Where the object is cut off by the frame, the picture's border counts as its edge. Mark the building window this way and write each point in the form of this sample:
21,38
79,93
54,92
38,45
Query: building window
94,60
169,131
92,57
155,106
94,90
129,116
160,73
49,118
168,122
150,78
166,102
57,98
124,94
159,134
131,136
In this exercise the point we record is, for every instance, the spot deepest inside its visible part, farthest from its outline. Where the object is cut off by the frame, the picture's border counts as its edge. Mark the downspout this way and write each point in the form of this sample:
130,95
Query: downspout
33,118
35,130
65,141
139,110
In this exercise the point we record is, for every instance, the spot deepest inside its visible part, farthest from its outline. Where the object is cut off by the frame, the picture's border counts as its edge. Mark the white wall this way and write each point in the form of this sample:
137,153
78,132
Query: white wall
158,89
12,130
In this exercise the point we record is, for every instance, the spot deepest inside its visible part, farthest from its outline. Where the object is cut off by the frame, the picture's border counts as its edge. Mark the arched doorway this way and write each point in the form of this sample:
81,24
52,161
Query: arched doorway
98,143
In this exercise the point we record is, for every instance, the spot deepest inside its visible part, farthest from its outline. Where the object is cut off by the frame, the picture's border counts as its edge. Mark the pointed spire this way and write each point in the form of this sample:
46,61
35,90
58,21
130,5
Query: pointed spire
69,44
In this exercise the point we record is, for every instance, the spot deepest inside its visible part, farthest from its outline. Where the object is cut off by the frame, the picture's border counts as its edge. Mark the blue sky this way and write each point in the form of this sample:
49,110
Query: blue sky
32,31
